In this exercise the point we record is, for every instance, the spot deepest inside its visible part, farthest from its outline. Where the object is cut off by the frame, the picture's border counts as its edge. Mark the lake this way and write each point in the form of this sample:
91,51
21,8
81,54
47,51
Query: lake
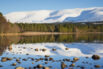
73,51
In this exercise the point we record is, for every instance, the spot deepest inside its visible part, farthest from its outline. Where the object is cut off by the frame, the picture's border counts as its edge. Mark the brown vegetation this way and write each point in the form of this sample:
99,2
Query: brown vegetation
6,27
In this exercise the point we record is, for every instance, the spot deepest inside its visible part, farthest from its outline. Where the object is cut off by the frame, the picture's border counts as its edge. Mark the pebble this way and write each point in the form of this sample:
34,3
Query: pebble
19,68
96,57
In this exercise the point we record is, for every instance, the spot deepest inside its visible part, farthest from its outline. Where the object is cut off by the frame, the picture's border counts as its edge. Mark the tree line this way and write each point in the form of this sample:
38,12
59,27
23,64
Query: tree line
61,27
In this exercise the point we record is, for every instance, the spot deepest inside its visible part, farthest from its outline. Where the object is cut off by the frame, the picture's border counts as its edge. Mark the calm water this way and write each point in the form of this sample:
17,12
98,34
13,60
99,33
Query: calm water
51,50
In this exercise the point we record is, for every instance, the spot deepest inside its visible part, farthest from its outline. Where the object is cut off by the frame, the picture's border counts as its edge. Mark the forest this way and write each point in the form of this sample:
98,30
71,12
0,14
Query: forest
61,27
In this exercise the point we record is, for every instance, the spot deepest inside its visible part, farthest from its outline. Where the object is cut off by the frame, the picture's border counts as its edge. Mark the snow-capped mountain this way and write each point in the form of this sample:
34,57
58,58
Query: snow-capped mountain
50,16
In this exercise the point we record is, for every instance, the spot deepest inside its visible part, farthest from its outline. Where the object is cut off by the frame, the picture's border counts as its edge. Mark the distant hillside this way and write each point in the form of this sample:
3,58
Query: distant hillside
6,27
51,16
67,27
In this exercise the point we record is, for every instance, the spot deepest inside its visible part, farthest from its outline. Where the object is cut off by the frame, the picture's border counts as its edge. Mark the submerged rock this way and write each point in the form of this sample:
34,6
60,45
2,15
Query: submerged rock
75,59
9,58
17,60
63,65
1,66
41,58
46,68
24,59
46,62
96,57
97,66
14,64
39,66
50,59
19,68
37,60
72,65
4,59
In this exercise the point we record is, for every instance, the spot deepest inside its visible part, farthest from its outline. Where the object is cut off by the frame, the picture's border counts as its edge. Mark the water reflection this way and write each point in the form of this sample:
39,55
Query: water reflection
74,49
7,42
50,51
53,54
63,38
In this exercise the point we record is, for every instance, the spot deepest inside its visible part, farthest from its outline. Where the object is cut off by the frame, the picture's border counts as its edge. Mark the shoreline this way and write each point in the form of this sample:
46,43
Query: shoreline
46,33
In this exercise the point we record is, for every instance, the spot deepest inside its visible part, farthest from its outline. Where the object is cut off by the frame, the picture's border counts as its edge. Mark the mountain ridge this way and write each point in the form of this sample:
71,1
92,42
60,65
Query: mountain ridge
51,16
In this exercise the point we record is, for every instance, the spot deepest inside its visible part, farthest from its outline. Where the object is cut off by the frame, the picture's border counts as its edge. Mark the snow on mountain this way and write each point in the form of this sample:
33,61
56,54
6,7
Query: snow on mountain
88,15
50,16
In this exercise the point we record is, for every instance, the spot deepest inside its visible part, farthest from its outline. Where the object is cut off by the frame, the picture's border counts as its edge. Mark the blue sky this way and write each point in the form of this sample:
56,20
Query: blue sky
7,6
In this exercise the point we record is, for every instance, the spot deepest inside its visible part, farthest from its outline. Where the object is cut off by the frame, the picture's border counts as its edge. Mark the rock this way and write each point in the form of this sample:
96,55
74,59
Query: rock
17,60
36,49
24,59
46,62
14,64
19,68
97,66
9,58
75,59
53,49
32,59
1,66
46,68
46,55
50,59
66,48
41,58
64,59
46,59
34,67
39,66
72,65
37,60
43,50
4,59
96,57
68,60
63,65
82,67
